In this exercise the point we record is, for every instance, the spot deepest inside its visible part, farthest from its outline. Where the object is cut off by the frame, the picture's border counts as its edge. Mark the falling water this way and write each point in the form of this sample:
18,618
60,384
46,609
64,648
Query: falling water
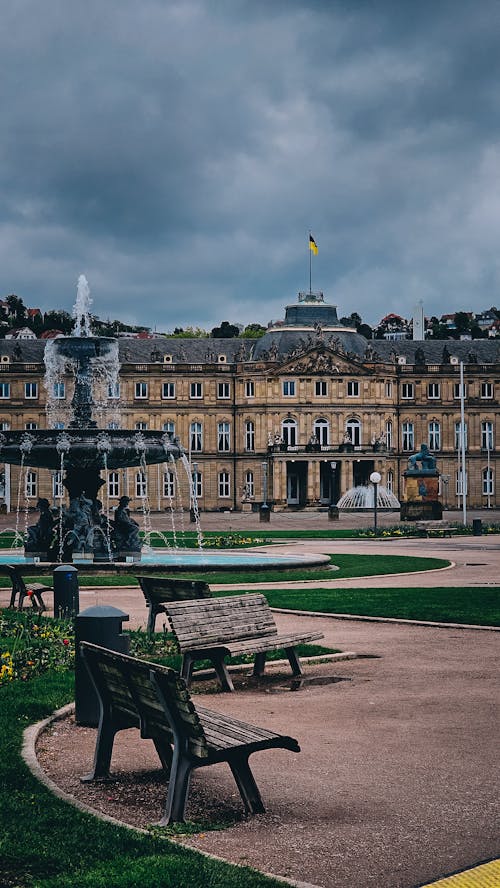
25,447
171,502
63,445
194,500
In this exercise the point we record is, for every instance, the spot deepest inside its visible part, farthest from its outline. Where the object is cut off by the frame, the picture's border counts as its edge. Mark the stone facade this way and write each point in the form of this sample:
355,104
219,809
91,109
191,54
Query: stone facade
310,410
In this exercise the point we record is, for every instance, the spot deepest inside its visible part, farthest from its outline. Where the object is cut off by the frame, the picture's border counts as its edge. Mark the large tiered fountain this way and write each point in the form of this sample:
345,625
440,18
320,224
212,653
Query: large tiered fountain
80,451
75,446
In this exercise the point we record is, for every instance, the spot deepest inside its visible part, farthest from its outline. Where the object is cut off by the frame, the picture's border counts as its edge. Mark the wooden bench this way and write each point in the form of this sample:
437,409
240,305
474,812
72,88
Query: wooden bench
237,624
153,698
22,590
157,590
434,528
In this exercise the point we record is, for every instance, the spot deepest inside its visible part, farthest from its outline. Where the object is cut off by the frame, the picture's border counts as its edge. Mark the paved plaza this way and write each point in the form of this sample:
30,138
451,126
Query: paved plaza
396,782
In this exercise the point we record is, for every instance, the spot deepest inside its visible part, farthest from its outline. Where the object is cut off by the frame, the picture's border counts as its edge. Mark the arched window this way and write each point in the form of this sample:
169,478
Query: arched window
169,484
353,429
458,435
389,483
140,485
31,484
196,437
388,434
113,484
408,436
249,484
321,430
289,432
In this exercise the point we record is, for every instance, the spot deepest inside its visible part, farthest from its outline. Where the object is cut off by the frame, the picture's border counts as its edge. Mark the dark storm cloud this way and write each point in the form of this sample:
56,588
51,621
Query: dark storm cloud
177,153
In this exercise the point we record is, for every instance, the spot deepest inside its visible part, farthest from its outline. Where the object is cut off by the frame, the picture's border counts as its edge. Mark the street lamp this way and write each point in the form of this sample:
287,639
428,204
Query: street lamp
375,478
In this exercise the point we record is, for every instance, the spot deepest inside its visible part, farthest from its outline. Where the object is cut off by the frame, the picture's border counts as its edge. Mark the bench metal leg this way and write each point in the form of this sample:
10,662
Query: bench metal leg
246,784
164,751
103,752
293,660
259,663
150,629
223,674
187,668
178,789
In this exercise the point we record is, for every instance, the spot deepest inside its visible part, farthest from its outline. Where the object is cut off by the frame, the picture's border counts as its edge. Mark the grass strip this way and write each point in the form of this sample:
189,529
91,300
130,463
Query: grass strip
45,843
477,605
348,566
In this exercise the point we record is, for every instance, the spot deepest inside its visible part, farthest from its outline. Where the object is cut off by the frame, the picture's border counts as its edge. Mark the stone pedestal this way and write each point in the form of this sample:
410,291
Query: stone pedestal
421,500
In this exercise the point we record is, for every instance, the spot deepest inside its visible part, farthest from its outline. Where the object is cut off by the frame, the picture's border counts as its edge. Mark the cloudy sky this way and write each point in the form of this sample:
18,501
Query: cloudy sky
177,152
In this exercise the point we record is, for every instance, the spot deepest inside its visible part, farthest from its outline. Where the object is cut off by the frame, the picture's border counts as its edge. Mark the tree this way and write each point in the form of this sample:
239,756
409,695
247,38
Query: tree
225,331
17,310
462,322
253,331
58,320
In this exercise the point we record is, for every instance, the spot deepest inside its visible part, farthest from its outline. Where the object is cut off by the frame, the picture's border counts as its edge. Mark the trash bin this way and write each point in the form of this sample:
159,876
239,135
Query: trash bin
66,591
103,626
477,527
333,513
264,512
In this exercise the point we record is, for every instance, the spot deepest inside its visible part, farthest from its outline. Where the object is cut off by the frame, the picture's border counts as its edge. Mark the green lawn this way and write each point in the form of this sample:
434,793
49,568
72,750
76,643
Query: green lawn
46,843
476,605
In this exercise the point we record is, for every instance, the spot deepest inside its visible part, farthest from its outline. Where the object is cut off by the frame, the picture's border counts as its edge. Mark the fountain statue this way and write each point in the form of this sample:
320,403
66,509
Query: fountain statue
80,451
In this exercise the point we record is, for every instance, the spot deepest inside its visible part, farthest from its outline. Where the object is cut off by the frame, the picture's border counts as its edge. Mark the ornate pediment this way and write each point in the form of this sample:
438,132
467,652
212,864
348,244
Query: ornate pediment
322,361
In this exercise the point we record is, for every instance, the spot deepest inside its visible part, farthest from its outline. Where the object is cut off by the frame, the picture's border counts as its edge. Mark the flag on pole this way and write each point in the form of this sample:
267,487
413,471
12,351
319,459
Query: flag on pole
312,245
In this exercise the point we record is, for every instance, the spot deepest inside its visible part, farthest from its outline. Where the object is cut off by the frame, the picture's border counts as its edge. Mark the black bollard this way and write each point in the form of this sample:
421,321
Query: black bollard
66,591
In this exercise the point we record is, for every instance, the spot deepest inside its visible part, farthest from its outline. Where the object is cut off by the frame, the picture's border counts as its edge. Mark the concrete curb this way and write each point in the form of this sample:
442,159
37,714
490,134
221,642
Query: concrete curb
282,610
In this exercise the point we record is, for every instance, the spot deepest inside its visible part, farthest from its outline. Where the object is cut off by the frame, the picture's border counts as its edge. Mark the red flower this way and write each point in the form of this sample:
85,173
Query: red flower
29,592
66,641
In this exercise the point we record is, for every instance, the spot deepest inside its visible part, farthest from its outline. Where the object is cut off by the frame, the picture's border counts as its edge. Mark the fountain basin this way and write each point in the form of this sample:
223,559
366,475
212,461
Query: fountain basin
181,559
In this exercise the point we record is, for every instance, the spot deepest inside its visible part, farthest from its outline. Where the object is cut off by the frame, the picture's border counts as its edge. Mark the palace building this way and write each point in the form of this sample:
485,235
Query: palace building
295,418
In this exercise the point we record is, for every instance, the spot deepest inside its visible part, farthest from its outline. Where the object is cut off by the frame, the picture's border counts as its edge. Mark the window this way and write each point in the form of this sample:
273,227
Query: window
456,390
458,435
288,388
223,390
168,390
30,390
169,485
196,390
459,484
4,426
223,437
197,479
249,436
113,425
321,429
352,388
353,430
486,390
249,388
140,485
196,437
388,389
31,484
487,482
433,391
224,484
249,485
30,426
58,425
289,432
434,435
57,485
141,390
114,484
487,442
141,426
59,390
407,391
321,388
389,483
4,390
388,433
169,427
408,436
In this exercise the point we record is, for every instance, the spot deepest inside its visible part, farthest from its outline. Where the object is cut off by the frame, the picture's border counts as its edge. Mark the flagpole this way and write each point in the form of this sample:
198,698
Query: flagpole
310,266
